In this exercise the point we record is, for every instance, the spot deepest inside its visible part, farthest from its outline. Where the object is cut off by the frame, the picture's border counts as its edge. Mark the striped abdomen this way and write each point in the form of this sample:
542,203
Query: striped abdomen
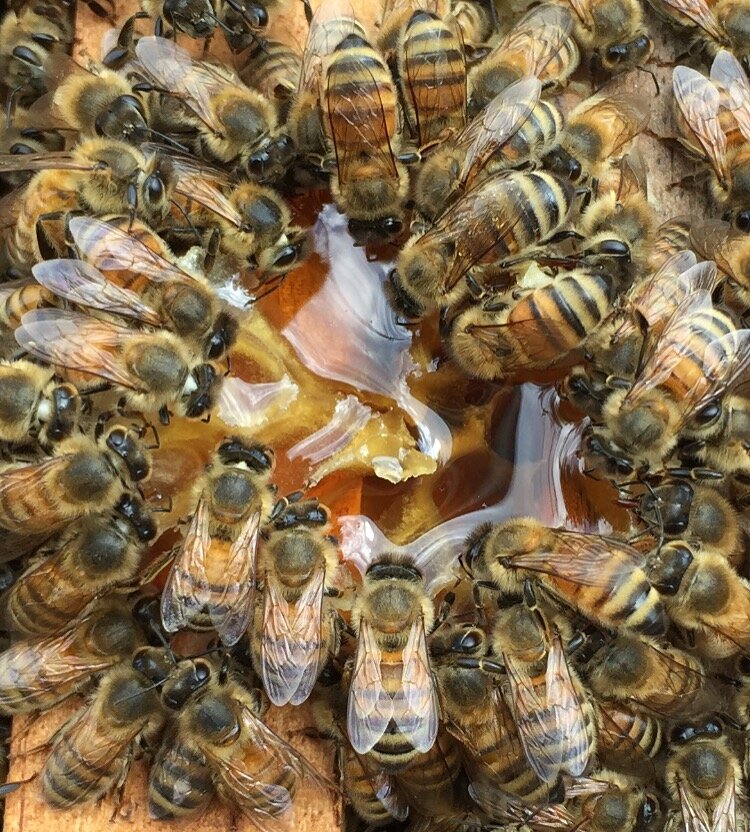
561,315
360,790
536,137
266,769
359,90
626,737
16,302
429,781
433,78
623,596
180,782
46,600
473,20
273,68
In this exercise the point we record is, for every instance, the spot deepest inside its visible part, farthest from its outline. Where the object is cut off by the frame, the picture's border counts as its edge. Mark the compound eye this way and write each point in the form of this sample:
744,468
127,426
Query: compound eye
743,221
154,188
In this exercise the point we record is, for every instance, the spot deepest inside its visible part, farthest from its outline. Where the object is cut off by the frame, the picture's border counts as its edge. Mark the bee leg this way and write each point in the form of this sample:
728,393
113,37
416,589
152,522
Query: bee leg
212,249
164,415
445,608
308,11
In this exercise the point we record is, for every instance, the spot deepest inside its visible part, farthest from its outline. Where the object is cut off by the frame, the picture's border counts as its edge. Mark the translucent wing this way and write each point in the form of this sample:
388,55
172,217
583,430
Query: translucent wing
694,813
171,68
627,113
231,609
537,38
564,701
194,184
16,484
81,283
697,11
429,86
418,718
581,558
727,71
497,123
53,160
360,124
332,22
291,644
188,588
370,707
76,342
698,101
536,724
110,248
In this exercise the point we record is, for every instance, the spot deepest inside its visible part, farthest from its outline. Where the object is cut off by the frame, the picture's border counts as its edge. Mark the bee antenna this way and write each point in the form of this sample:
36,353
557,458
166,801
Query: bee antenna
187,219
169,140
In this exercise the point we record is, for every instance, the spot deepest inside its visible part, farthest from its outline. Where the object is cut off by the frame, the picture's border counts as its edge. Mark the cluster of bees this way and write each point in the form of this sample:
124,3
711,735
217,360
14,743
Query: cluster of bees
542,679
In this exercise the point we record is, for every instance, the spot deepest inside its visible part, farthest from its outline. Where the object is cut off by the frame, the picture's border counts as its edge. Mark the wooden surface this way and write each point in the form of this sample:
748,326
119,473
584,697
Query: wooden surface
314,810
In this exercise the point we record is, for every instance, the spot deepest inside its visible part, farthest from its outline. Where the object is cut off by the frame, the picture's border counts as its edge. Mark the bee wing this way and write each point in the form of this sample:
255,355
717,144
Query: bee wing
728,71
110,248
290,648
698,100
367,128
188,589
725,810
418,719
633,176
76,342
620,738
580,558
171,68
332,21
537,38
53,160
432,97
197,182
628,114
583,11
714,240
370,707
497,123
103,748
698,11
386,791
537,730
567,708
33,667
81,283
694,815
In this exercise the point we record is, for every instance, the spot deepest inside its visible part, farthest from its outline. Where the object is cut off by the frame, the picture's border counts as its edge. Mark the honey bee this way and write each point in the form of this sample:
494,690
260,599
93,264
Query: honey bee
475,712
17,297
95,553
625,805
30,40
432,71
35,675
613,33
698,357
155,369
362,130
211,583
705,595
601,577
501,217
697,514
627,739
553,716
391,715
295,630
539,44
236,125
646,675
452,168
91,755
139,283
715,25
699,102
615,350
252,768
34,404
101,176
533,329
596,131
704,776
84,475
